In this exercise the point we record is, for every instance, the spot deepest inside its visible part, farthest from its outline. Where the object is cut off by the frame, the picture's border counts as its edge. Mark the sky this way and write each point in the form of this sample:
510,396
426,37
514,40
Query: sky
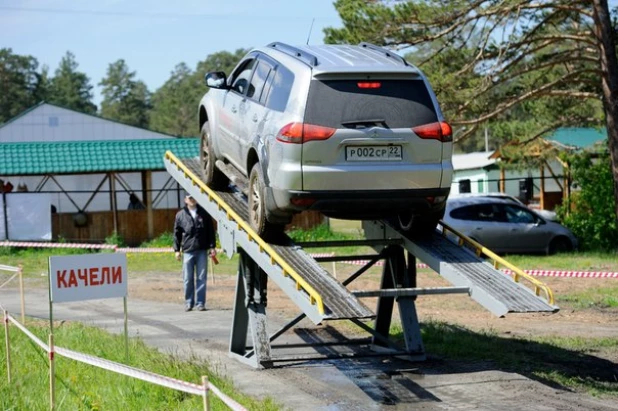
153,36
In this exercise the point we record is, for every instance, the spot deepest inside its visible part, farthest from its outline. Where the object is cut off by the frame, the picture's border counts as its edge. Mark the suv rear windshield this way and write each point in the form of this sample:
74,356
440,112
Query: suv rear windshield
385,103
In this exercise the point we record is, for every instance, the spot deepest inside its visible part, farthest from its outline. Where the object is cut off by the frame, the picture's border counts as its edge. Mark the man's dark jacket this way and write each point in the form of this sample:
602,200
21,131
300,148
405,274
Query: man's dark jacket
193,234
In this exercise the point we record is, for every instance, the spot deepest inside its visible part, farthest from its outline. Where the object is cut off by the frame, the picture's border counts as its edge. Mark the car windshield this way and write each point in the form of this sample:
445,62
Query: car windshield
368,103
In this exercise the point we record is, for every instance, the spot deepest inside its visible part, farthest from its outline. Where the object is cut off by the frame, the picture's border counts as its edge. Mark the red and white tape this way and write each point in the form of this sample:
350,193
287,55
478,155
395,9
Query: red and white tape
143,375
144,250
576,274
535,273
56,245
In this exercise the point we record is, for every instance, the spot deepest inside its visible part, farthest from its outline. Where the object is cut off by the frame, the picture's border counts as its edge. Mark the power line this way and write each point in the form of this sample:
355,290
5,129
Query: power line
154,15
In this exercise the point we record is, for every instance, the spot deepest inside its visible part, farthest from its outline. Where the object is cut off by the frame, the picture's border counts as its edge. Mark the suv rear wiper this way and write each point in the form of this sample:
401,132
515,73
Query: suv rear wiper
365,123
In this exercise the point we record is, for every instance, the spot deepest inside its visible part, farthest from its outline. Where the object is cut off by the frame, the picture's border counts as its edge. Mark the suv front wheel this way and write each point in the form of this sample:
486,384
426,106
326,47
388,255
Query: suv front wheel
257,209
213,177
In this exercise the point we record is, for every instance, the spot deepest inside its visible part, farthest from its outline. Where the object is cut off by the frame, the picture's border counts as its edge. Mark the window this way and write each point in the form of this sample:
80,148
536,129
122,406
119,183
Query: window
465,213
518,215
241,77
53,121
279,89
395,103
258,80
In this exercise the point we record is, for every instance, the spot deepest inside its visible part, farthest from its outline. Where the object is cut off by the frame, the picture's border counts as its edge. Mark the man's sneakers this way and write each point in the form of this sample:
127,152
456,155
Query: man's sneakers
188,308
200,307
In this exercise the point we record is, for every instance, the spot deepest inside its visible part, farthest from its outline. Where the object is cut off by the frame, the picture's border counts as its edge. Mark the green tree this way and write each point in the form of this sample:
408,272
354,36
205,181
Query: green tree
19,80
591,215
125,99
175,103
522,67
70,88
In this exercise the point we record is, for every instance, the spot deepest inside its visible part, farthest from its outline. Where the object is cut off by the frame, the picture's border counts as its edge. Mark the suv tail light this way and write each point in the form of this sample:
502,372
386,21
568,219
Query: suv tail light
369,84
437,131
299,133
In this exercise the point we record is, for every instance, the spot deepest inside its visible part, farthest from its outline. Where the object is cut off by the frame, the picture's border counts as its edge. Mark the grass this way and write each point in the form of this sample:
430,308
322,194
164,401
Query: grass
80,386
579,261
594,297
561,362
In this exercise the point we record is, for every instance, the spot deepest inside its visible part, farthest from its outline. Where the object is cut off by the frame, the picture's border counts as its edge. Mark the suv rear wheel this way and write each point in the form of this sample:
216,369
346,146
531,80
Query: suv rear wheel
257,209
421,225
213,177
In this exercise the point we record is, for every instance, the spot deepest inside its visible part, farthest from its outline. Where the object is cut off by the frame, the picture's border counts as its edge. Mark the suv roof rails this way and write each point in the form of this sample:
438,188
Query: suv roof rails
299,54
388,53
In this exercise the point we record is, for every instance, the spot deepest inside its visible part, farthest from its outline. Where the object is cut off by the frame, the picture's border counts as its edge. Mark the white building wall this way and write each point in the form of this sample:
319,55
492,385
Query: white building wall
483,181
51,123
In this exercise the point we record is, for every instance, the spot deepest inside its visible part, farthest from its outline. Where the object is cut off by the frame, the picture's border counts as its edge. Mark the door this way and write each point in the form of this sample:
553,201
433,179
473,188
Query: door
233,113
254,112
525,231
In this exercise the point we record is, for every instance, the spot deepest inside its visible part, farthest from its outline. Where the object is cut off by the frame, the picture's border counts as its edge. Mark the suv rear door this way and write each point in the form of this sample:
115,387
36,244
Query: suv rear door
373,146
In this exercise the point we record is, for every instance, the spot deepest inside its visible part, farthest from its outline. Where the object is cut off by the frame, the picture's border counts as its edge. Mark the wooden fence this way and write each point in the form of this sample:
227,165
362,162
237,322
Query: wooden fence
133,225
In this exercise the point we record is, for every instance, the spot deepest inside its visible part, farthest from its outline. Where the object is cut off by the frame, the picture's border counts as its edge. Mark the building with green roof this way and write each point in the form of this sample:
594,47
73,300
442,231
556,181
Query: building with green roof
98,175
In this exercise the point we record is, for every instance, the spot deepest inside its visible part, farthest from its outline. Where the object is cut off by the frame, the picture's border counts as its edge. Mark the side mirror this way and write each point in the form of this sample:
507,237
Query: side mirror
216,79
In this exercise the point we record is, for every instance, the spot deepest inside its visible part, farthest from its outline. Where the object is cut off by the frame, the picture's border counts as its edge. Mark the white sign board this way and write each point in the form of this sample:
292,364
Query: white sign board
29,216
87,277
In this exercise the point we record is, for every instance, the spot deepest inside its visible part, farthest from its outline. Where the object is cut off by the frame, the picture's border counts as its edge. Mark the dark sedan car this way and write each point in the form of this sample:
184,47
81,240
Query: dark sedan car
505,227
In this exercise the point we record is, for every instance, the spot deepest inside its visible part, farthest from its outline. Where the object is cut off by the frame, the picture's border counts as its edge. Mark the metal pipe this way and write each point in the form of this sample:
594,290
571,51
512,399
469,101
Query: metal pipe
408,292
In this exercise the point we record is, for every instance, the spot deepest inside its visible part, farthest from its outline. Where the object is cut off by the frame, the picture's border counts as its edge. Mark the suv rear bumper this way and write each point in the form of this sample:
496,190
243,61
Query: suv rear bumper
357,204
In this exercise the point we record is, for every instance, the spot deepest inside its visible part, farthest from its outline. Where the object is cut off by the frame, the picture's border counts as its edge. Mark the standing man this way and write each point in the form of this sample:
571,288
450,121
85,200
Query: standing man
194,235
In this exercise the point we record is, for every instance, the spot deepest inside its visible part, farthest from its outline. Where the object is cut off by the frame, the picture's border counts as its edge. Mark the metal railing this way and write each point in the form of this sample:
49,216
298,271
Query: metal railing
498,261
288,271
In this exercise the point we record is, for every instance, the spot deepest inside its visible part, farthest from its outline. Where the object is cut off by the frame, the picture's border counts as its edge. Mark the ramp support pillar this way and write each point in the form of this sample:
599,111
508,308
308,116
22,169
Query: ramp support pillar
250,315
399,274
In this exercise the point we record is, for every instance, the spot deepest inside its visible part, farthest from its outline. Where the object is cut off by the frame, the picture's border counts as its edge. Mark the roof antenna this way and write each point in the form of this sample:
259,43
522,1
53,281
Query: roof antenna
310,29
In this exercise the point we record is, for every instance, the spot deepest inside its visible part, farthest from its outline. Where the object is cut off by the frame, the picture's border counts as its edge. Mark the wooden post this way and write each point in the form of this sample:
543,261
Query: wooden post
206,399
126,330
21,294
112,199
8,345
502,180
148,199
52,374
542,205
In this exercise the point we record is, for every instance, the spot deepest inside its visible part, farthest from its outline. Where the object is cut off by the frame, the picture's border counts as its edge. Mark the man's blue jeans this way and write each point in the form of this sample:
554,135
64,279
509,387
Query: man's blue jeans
195,263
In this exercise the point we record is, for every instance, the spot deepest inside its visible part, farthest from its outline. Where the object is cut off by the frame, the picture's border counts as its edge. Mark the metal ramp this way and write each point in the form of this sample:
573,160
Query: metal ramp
312,288
321,297
490,287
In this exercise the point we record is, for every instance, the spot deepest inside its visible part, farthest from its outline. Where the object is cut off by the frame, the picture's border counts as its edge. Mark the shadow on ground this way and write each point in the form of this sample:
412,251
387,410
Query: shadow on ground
454,350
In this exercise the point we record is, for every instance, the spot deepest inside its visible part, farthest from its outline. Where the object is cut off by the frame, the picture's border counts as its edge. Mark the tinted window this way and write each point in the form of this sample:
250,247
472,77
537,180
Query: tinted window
279,89
518,215
241,80
258,80
395,103
464,213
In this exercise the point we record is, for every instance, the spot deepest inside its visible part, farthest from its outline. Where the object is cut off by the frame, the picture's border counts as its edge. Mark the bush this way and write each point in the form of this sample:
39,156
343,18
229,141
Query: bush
321,232
115,239
593,209
164,240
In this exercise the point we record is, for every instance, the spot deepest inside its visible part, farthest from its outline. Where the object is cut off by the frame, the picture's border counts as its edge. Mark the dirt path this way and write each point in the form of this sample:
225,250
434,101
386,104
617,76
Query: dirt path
436,383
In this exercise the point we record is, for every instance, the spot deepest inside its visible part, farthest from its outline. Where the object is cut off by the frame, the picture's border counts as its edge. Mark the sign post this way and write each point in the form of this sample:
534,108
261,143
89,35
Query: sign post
88,277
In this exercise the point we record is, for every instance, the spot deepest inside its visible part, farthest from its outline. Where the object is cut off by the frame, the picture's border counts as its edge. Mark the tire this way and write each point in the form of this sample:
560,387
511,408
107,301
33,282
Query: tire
559,245
213,177
421,225
257,209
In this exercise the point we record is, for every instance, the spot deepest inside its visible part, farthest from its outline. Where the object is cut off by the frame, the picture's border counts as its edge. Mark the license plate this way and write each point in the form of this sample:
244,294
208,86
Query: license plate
373,153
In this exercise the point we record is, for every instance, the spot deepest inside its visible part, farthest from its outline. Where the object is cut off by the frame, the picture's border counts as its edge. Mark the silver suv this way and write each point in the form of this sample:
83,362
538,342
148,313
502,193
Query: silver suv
352,131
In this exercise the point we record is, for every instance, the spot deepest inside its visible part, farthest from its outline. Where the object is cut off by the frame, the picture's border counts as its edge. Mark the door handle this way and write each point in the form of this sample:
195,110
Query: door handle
255,118
479,228
234,110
